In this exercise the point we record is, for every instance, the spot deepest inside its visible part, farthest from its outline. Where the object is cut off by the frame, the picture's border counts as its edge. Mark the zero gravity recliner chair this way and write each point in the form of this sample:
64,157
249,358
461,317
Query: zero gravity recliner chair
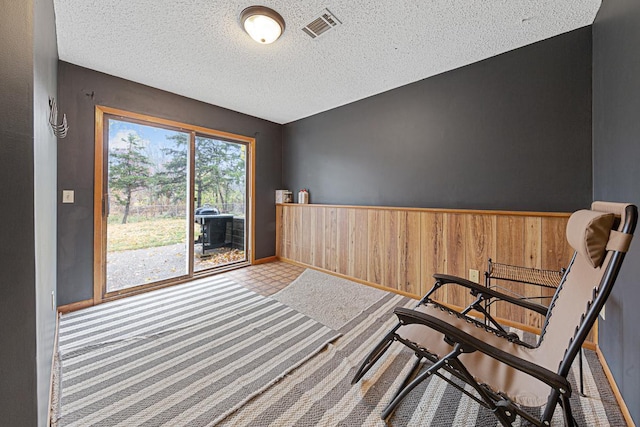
508,374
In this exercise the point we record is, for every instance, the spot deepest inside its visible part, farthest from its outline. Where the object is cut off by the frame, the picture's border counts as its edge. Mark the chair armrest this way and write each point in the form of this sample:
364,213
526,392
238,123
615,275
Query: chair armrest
471,343
476,289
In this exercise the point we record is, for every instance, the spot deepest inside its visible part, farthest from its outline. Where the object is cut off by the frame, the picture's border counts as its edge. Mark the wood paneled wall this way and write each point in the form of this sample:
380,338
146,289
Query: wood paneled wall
401,248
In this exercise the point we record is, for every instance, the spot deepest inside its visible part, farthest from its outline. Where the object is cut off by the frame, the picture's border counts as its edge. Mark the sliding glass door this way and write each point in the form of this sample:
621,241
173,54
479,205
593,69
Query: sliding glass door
220,196
147,194
171,202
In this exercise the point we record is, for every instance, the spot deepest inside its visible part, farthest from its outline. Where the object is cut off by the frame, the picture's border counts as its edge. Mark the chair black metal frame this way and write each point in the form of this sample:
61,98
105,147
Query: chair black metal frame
503,407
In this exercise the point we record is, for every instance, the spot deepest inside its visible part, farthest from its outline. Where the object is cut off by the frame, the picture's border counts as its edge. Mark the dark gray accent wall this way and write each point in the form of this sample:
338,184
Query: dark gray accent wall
616,158
18,401
511,132
80,90
27,272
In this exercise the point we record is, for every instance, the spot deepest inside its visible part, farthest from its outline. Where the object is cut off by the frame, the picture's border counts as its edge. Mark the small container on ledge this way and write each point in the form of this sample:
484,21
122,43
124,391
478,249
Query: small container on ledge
284,196
303,196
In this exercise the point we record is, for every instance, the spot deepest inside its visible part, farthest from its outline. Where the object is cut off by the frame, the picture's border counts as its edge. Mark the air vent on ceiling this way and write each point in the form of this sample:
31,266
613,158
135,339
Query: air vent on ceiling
321,24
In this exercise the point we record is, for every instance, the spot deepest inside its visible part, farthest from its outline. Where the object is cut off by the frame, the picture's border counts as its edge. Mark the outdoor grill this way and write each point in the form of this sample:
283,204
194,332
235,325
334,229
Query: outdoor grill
216,230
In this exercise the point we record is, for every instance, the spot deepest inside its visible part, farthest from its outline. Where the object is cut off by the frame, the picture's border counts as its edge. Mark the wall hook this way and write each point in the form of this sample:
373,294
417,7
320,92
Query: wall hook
59,130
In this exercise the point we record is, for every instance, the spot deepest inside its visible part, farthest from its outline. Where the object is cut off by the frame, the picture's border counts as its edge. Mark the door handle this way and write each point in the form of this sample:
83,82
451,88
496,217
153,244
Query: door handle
105,205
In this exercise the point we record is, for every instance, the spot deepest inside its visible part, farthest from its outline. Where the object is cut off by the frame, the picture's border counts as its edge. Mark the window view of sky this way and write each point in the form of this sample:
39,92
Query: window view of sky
153,139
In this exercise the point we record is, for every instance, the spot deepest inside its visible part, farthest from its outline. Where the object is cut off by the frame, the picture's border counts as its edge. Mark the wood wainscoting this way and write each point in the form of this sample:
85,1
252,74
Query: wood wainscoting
401,248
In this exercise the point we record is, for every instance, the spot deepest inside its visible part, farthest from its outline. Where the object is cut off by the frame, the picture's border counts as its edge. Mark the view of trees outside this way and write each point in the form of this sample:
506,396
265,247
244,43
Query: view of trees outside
147,185
129,171
220,174
152,175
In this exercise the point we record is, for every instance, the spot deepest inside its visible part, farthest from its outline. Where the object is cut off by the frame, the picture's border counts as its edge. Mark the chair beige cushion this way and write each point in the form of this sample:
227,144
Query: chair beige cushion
569,306
588,233
519,386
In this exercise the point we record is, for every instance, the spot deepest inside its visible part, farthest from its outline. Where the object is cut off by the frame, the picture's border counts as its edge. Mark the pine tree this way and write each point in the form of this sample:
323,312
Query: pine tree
219,171
172,181
222,164
129,171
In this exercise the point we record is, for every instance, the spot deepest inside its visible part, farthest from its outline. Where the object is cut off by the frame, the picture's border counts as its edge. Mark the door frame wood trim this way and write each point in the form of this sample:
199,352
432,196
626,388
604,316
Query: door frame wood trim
99,230
99,219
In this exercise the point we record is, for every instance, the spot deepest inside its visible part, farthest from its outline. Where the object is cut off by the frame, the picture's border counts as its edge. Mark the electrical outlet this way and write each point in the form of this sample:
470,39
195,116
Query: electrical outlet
474,275
602,313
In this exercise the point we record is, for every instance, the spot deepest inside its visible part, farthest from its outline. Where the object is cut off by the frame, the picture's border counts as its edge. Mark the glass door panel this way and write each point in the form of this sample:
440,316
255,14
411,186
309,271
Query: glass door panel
220,196
147,209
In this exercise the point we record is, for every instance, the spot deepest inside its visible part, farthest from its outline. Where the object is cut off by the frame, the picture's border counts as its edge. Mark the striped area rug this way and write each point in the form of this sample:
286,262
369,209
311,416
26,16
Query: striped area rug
320,393
182,356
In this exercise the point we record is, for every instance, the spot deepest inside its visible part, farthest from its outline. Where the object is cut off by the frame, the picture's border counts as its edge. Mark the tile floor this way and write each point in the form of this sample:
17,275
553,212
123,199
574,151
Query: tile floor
266,279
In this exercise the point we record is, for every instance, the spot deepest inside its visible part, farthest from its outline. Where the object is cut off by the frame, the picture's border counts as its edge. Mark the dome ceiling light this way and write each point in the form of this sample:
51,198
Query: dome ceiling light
264,25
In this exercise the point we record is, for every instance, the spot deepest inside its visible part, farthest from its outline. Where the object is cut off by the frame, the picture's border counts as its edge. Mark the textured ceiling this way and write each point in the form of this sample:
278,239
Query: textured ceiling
198,49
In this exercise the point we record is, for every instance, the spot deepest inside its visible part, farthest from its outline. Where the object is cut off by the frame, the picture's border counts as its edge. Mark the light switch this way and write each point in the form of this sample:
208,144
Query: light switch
68,196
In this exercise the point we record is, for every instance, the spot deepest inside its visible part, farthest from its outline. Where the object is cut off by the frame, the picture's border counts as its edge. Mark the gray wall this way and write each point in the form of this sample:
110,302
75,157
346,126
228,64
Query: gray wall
18,401
27,273
510,132
80,90
616,157
45,146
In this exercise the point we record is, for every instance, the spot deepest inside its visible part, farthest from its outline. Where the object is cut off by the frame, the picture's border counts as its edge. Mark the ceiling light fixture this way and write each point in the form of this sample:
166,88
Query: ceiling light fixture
264,25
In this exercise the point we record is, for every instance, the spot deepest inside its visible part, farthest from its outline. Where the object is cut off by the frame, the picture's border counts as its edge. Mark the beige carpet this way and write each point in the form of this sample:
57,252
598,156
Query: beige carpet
328,299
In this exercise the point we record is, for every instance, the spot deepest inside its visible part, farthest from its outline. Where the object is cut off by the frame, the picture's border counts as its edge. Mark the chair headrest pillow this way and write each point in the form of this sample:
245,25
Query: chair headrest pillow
588,233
